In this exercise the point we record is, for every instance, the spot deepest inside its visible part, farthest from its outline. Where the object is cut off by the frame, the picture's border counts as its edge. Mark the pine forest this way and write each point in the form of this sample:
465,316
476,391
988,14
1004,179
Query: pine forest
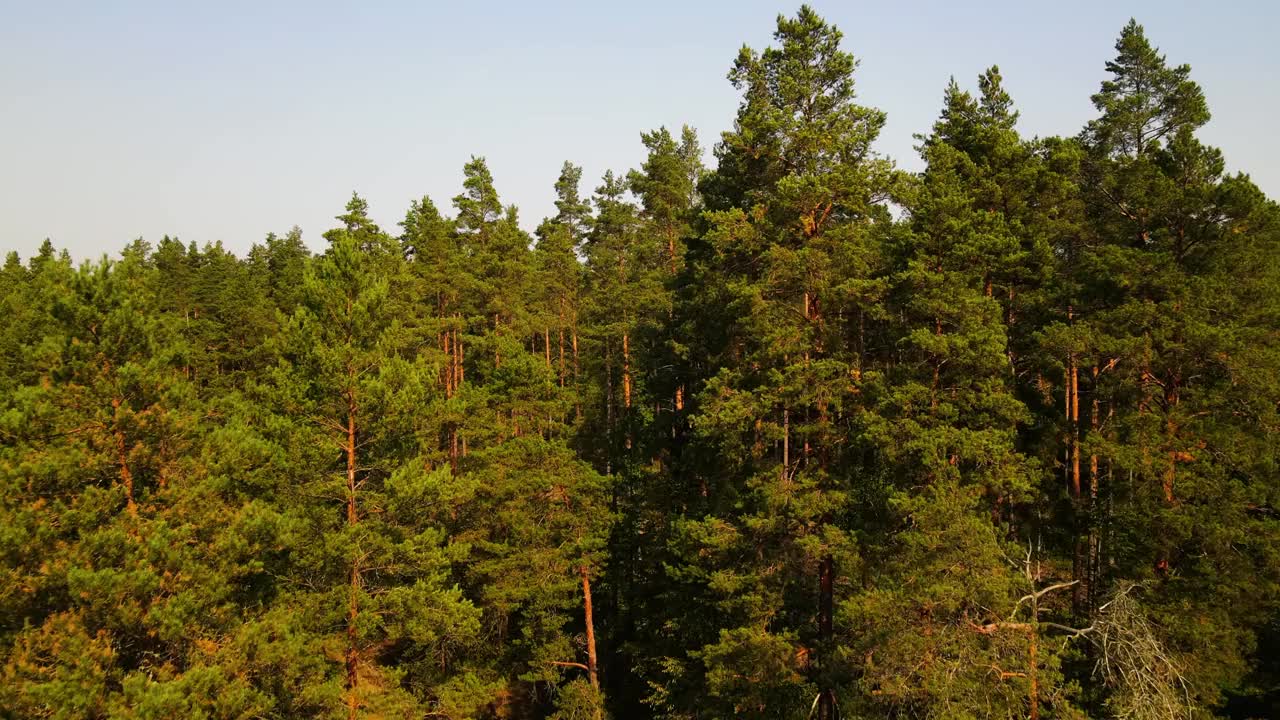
778,430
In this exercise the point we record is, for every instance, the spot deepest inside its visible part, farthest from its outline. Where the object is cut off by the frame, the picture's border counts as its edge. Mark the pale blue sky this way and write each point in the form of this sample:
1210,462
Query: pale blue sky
226,120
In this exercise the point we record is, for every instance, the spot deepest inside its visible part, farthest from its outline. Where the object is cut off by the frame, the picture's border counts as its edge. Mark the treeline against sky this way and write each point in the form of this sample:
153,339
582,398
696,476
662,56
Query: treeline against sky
797,435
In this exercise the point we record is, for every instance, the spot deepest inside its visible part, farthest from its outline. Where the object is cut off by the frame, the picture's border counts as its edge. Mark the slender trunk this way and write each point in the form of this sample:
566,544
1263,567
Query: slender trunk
626,388
1066,403
1032,675
608,408
626,370
671,254
454,373
561,331
1075,428
448,371
1033,659
808,316
1094,423
351,468
591,628
577,396
546,345
1079,565
442,339
461,350
352,658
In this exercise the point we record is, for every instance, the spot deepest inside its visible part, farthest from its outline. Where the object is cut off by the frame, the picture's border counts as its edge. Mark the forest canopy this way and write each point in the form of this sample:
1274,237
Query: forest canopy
793,433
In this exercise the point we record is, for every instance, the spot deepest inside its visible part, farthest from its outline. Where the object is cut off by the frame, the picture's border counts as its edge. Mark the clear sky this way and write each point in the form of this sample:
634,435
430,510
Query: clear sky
226,120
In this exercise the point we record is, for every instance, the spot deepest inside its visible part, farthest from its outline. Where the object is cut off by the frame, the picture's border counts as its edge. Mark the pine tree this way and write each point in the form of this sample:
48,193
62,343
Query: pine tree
439,282
943,419
282,262
126,552
1163,215
559,281
374,586
793,199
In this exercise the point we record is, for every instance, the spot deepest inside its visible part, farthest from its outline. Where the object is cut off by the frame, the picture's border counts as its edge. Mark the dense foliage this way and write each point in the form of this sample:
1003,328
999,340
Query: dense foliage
800,435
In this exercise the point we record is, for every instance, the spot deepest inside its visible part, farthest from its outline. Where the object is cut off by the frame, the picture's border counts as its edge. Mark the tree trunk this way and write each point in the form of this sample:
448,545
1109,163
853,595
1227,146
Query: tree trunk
608,408
461,351
351,468
351,655
1032,675
1066,403
1075,428
1079,565
560,329
626,370
588,618
1093,559
451,365
577,396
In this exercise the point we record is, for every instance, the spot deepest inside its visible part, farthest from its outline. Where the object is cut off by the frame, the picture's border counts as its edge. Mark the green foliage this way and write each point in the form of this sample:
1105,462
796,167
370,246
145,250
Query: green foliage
800,436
